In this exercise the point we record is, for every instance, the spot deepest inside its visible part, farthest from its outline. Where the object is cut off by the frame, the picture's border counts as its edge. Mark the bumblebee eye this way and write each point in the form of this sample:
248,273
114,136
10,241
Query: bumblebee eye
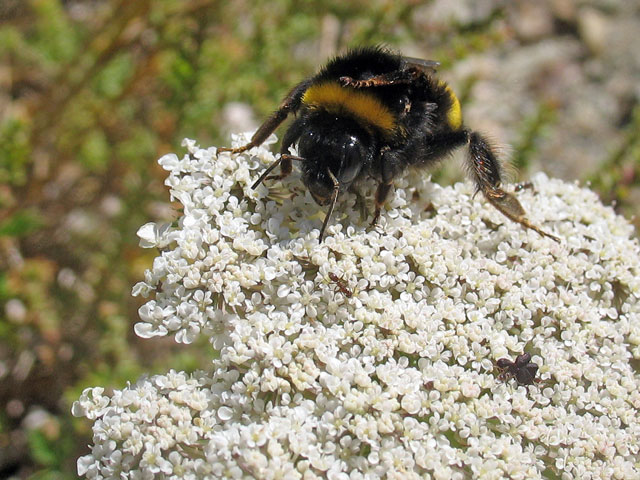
351,162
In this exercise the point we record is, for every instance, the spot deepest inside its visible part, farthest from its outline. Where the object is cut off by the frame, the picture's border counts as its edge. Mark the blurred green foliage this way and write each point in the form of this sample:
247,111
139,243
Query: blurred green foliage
92,92
618,178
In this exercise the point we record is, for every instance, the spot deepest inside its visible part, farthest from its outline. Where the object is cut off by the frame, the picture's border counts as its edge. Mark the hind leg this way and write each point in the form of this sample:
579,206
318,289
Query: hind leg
485,169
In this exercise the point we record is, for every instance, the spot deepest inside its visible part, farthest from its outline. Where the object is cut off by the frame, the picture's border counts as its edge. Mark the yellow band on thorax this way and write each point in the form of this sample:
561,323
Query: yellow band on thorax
359,103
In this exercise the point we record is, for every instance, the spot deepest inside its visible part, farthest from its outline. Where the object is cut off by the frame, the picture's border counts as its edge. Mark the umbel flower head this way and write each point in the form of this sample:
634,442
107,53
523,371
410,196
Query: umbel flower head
388,372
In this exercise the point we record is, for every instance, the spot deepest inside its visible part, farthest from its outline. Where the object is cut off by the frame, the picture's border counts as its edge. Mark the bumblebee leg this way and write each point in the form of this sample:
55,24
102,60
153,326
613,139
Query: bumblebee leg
290,104
391,163
361,203
485,169
405,75
381,196
284,160
334,199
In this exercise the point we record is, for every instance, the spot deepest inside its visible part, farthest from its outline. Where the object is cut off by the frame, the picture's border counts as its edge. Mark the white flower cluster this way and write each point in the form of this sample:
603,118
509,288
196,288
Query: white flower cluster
388,372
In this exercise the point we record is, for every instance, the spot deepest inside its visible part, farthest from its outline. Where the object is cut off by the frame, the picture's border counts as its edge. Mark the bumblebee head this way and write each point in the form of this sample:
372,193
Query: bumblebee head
335,151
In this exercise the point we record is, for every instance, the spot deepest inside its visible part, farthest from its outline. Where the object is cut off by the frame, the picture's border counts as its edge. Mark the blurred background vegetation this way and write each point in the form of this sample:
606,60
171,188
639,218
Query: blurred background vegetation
92,92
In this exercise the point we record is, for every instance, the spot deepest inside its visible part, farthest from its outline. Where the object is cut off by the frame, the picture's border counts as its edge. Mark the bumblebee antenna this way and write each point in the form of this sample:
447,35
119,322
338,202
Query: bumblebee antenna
334,198
284,156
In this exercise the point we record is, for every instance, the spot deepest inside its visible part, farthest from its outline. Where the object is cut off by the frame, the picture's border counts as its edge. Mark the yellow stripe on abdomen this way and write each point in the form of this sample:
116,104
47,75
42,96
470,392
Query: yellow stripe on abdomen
454,114
365,106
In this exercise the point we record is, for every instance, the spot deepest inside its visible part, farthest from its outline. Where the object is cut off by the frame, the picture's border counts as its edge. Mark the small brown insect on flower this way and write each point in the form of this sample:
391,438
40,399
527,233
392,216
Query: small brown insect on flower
523,369
523,186
340,285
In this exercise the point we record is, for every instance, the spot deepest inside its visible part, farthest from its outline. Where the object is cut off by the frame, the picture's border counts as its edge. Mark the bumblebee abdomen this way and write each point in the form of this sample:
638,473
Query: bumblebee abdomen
366,107
361,64
454,111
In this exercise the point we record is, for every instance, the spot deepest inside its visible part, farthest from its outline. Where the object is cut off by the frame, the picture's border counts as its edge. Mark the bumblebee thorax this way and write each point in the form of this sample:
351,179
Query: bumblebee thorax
364,105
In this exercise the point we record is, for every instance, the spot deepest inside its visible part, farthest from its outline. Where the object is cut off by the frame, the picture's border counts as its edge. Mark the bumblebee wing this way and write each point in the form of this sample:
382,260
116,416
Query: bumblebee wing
421,64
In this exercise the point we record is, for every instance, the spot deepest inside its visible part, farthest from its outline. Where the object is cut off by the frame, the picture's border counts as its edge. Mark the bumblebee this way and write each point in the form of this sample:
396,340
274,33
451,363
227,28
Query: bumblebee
372,112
